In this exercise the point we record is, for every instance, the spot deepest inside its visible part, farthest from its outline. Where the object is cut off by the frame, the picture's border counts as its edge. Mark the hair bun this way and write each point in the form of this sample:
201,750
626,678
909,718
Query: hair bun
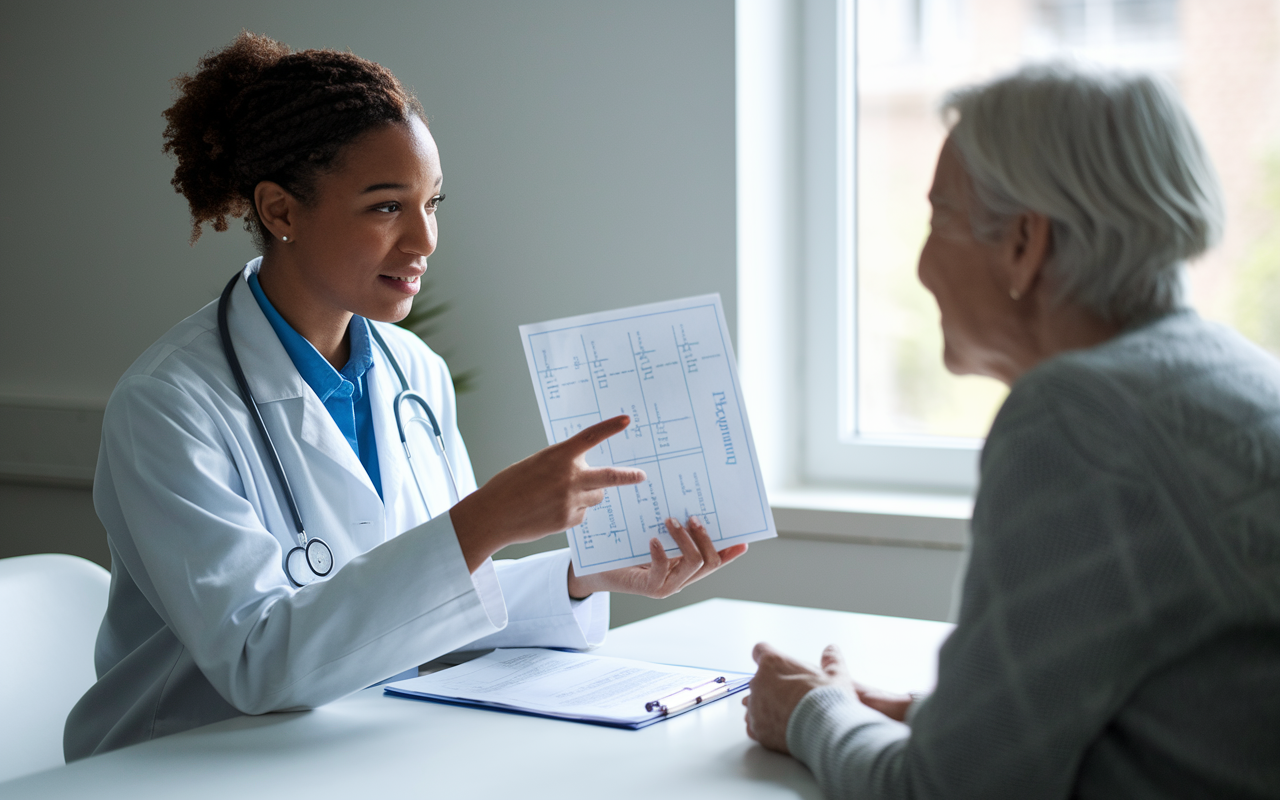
200,130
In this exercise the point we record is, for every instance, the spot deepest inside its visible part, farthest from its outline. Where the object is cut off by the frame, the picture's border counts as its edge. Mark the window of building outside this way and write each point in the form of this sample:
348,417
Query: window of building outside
1224,60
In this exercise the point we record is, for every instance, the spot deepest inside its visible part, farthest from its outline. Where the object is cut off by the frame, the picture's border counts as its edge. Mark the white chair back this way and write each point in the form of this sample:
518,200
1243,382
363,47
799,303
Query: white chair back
50,609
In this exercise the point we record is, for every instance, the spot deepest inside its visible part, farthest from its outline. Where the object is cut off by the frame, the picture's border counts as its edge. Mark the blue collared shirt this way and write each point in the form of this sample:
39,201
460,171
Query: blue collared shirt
344,394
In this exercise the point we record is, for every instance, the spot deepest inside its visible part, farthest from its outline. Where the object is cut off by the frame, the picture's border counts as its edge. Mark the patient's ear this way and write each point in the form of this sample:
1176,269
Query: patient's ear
1028,243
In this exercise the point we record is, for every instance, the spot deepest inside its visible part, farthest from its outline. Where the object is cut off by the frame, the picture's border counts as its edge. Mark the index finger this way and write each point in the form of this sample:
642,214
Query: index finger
832,657
588,438
779,661
761,650
604,477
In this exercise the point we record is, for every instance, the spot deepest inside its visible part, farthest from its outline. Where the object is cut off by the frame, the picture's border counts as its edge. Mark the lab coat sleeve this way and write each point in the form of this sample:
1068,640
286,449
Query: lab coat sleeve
204,561
541,613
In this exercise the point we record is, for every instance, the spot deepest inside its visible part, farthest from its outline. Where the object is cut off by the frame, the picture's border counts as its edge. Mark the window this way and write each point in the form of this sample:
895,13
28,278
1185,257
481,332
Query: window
875,407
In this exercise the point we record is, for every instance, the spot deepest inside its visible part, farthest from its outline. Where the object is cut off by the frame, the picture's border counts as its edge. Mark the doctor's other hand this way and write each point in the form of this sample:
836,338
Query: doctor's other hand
545,493
664,576
781,682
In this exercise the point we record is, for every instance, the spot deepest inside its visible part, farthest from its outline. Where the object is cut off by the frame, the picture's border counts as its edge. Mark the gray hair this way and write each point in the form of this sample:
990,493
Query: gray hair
1115,163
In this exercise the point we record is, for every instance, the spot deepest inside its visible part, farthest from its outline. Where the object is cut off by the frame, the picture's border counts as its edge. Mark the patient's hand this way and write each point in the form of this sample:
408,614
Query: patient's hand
664,576
781,682
891,704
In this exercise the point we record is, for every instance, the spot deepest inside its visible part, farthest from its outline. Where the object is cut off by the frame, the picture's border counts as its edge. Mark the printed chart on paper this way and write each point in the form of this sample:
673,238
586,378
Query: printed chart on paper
670,367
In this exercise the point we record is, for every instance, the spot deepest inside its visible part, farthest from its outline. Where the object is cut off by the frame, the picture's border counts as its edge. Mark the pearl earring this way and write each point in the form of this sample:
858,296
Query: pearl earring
284,238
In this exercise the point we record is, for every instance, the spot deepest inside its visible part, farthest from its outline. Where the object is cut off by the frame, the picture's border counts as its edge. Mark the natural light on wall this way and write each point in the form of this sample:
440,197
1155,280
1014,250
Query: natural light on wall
1222,55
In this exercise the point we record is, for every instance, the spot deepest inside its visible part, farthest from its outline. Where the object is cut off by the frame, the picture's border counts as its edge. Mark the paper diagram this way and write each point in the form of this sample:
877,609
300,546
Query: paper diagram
670,367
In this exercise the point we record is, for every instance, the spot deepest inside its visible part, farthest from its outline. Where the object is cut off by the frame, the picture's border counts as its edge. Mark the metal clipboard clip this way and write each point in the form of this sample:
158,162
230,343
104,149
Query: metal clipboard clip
689,697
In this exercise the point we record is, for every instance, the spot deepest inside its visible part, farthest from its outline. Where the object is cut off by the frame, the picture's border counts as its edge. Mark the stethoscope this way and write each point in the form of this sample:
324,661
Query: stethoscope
312,559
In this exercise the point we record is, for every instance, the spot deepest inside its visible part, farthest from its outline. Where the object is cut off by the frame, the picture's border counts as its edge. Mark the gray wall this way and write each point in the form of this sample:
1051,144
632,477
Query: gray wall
588,149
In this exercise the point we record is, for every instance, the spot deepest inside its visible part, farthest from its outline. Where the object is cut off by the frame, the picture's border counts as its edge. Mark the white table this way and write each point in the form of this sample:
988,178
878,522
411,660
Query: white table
372,746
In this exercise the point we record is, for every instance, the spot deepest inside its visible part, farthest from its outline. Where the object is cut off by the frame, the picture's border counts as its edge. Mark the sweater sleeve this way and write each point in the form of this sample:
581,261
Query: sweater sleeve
1051,631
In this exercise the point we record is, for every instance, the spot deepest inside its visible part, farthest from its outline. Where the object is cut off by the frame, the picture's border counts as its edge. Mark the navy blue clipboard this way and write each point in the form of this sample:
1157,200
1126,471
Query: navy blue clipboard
713,685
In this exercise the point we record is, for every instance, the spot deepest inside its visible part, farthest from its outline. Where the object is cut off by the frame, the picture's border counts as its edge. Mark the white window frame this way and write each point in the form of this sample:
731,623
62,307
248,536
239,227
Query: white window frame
797,308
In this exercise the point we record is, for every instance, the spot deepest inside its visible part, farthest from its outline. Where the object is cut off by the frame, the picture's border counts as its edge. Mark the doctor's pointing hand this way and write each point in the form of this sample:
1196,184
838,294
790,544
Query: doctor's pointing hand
277,542
551,491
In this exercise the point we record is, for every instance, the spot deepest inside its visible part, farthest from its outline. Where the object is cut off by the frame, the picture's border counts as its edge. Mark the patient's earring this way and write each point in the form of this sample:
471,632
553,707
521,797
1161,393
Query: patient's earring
1015,294
284,238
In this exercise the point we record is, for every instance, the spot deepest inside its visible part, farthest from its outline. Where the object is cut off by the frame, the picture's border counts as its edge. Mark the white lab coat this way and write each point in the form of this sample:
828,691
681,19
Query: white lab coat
203,623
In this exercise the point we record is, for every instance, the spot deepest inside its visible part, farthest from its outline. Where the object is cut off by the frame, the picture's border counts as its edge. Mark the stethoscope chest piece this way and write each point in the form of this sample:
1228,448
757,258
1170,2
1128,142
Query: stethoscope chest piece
308,563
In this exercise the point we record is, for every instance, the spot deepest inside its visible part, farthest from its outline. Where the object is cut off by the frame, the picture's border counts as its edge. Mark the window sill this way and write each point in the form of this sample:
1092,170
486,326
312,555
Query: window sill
898,519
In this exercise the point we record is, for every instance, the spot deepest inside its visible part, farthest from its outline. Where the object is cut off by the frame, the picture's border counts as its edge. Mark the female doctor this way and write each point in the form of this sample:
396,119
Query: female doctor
226,601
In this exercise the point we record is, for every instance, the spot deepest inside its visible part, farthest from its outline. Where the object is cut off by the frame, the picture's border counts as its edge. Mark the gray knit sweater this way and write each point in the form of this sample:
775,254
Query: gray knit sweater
1119,630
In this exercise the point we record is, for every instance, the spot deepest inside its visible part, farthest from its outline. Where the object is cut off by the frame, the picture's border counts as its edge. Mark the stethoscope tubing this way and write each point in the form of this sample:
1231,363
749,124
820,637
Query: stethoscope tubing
409,395
224,331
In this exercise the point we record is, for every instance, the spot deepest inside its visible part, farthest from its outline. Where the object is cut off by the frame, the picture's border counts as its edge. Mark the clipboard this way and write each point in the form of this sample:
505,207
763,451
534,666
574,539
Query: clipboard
572,686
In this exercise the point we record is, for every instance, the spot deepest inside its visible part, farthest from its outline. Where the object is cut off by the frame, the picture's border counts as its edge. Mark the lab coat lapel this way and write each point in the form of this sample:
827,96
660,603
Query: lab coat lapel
274,379
267,367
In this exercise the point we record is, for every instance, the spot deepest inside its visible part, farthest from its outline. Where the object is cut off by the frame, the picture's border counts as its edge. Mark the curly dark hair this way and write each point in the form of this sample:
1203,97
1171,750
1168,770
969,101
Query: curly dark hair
256,111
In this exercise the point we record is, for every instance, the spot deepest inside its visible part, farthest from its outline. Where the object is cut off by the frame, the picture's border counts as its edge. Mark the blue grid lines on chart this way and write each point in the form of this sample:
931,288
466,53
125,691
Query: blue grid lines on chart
673,379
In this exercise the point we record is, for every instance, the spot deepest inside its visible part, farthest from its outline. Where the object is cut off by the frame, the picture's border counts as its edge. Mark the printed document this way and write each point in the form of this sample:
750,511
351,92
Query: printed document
575,686
669,366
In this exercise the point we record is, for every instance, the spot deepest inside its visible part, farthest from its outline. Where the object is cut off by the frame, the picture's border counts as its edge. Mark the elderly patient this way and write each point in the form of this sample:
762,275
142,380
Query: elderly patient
1119,628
